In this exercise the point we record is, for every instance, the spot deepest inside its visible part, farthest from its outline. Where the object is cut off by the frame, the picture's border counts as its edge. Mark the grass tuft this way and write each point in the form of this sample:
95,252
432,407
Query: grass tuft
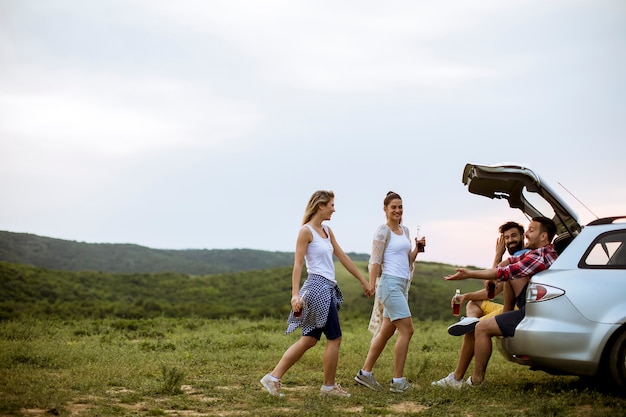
172,379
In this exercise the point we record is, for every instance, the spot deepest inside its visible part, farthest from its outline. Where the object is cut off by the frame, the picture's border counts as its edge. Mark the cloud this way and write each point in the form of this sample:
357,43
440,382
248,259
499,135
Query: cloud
125,115
353,47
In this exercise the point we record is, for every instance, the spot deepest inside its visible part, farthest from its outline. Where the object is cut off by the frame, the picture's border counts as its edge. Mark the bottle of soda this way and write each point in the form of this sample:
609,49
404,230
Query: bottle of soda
421,247
491,289
301,303
456,306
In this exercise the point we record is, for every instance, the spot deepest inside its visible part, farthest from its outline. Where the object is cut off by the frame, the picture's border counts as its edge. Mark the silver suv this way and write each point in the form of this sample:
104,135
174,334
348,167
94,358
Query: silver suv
575,310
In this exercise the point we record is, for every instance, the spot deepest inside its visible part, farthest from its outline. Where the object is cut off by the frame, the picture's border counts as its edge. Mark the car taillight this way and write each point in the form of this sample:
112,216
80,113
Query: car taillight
540,292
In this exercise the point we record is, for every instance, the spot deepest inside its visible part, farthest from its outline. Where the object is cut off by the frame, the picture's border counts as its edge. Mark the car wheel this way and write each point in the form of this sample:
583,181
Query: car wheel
617,363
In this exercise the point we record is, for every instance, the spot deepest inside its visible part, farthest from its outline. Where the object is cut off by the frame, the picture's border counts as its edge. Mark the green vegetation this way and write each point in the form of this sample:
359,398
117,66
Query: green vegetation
27,291
198,367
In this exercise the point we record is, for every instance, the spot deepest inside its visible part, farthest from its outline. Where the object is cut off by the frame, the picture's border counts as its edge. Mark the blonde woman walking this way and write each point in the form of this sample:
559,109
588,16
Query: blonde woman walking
315,306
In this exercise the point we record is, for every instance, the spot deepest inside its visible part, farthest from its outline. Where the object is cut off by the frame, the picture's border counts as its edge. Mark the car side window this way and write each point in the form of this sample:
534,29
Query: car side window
608,251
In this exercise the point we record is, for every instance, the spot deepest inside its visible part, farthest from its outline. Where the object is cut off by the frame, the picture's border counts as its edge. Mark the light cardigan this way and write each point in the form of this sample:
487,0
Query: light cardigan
381,240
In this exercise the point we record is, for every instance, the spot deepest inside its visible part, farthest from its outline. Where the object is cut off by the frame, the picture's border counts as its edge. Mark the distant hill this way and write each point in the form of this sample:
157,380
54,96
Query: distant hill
65,255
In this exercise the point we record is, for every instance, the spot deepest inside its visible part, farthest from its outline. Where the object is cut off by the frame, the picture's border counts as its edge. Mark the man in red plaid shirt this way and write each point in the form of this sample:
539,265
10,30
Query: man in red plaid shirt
516,271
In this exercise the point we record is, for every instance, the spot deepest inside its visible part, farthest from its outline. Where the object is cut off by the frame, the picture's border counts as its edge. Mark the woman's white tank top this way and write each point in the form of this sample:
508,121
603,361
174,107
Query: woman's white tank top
396,257
319,256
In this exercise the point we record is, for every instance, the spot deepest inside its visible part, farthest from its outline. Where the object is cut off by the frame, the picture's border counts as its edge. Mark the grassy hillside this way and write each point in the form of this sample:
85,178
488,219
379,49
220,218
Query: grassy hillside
27,291
64,255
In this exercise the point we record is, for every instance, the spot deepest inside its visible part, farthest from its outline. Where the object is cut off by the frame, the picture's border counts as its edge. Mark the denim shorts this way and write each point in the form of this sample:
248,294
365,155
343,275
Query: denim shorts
393,293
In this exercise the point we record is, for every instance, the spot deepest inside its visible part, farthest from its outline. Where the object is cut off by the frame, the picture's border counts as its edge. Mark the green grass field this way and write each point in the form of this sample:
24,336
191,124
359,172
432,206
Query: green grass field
198,367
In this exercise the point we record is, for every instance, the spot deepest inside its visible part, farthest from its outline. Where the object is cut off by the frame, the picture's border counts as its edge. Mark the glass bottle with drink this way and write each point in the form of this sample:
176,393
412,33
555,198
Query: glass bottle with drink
421,247
491,289
301,303
456,305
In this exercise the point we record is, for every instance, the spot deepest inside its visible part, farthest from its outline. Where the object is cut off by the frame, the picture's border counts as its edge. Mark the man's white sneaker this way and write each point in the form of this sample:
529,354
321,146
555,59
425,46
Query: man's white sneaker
448,381
463,326
273,387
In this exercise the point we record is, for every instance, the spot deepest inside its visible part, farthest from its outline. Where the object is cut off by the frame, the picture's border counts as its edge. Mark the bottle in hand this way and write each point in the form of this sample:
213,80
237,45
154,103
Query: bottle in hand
456,306
302,304
491,290
421,247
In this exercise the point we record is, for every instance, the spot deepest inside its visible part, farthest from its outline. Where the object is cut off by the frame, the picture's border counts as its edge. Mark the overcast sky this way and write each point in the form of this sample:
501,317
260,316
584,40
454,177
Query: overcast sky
208,124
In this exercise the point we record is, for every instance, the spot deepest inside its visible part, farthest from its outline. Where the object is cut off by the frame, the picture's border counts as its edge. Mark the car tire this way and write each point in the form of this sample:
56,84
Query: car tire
617,363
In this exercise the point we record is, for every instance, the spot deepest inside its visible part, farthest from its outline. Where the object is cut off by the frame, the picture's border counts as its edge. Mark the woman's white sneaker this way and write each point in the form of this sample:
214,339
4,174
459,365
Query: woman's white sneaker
335,391
273,387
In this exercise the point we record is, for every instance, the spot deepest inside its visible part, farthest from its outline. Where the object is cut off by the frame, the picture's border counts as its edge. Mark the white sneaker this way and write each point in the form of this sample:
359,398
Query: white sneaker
273,387
448,381
469,383
336,391
465,325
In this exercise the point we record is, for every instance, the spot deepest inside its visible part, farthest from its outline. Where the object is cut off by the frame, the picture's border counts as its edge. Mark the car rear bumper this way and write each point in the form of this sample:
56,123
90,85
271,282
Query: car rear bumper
555,338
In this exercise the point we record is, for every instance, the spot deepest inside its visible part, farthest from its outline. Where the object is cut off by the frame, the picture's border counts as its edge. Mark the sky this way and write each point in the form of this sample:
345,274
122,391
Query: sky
209,124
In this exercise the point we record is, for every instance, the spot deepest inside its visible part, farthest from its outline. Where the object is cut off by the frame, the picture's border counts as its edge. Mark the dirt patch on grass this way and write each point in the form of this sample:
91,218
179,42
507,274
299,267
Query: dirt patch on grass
408,408
82,405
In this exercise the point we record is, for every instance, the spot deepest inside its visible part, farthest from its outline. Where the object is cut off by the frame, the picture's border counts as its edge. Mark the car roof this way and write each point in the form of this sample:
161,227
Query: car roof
517,184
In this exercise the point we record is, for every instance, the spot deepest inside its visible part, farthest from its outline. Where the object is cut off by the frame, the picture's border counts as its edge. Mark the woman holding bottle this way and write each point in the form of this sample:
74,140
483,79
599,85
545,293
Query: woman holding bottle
392,260
319,299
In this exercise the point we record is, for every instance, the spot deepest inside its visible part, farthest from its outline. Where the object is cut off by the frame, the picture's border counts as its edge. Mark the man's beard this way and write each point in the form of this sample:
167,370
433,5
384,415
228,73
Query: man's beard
516,248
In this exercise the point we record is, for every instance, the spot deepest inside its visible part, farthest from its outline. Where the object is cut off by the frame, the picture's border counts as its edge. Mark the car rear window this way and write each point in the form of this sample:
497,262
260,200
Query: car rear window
608,251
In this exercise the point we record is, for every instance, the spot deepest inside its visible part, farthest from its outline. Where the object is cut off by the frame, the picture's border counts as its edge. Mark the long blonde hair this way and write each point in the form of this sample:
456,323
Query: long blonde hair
318,199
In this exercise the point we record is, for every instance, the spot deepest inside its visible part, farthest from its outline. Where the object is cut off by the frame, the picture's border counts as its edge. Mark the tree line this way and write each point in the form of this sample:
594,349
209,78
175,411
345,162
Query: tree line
28,291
